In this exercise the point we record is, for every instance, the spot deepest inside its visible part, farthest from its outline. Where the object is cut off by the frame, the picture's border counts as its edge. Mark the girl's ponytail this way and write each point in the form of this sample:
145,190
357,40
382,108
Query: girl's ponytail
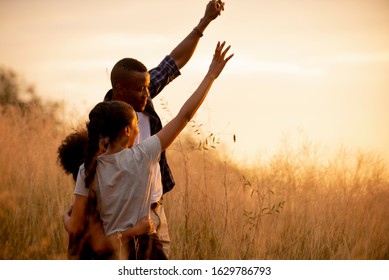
106,120
98,118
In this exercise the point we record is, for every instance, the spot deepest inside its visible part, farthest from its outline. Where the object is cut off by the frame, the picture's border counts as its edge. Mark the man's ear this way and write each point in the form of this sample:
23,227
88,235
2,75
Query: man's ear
118,89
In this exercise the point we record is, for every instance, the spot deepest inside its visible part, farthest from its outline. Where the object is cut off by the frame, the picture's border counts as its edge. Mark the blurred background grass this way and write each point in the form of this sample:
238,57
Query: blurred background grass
293,205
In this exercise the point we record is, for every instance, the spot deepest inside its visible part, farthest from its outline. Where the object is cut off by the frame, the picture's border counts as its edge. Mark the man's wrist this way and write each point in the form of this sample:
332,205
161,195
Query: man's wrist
203,23
198,31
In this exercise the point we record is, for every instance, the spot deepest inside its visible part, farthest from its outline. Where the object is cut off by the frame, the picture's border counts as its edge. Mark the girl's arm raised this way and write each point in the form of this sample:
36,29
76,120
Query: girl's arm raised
190,107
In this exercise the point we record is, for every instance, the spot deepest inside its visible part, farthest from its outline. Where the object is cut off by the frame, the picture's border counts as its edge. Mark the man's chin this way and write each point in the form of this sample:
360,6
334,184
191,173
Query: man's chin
140,109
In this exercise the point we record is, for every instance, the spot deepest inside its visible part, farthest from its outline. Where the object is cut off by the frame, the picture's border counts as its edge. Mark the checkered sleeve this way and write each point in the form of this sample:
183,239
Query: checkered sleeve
162,75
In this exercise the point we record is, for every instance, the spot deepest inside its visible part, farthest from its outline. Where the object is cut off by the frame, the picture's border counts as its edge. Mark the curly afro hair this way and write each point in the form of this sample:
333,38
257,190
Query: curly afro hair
72,151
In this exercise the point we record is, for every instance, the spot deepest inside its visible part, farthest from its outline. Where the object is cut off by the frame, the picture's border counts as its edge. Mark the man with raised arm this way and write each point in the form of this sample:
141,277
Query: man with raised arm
133,89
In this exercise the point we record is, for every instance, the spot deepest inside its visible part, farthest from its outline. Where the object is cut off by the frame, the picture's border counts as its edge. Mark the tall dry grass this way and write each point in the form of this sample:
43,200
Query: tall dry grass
292,206
34,192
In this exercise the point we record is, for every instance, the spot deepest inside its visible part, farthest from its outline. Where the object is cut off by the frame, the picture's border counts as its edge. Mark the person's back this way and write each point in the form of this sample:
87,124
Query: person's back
123,182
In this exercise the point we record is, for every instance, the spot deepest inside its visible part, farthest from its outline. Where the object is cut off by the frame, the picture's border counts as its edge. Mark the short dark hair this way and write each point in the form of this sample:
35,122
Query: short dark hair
122,67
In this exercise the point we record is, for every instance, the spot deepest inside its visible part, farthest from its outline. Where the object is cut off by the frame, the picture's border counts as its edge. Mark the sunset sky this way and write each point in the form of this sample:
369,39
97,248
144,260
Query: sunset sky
314,68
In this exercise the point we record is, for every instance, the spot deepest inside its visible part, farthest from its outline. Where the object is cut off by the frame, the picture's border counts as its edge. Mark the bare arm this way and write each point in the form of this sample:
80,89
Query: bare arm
74,224
116,240
96,237
143,226
190,107
184,50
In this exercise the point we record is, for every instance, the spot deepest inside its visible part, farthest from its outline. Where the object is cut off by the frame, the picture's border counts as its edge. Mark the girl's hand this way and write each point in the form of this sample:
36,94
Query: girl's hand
144,226
219,60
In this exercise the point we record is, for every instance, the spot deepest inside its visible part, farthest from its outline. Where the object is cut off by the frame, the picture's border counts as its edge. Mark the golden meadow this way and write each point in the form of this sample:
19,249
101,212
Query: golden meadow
294,205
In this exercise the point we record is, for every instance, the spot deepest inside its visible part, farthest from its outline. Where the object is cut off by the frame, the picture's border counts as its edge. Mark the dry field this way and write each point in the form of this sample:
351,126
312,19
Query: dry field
293,206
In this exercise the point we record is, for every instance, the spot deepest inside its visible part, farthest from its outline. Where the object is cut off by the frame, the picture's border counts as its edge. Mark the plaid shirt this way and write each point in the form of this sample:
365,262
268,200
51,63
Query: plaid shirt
160,76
